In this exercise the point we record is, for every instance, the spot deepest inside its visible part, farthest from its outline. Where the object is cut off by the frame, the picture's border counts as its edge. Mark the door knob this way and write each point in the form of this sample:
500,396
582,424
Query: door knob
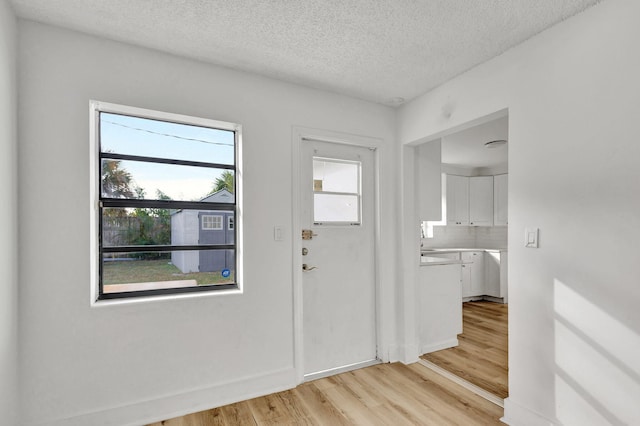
306,267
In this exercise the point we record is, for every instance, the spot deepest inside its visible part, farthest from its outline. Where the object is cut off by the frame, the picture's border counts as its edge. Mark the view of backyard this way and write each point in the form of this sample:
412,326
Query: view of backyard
167,217
136,271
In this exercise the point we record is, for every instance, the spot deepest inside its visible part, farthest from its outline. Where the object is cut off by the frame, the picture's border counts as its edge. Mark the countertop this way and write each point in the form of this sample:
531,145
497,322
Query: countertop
431,261
453,250
434,259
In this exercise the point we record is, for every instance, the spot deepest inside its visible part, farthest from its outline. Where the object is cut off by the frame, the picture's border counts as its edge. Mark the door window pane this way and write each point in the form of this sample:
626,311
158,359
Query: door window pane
336,208
336,191
336,176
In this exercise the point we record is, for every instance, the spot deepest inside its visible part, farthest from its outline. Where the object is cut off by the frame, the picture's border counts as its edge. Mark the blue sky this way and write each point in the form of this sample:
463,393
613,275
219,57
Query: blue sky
138,136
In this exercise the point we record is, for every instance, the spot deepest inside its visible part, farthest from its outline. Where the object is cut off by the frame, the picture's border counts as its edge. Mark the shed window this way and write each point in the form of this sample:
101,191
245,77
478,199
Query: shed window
212,223
158,176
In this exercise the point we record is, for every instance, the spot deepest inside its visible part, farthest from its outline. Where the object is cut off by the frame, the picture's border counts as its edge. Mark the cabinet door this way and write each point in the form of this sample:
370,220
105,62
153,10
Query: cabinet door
492,274
466,281
429,182
473,274
457,200
481,201
477,273
500,190
504,276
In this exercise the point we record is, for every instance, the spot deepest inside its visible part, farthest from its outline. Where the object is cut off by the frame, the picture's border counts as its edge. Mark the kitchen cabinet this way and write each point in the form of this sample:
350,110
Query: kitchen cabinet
481,201
457,200
440,310
500,191
504,272
472,274
469,200
492,274
429,181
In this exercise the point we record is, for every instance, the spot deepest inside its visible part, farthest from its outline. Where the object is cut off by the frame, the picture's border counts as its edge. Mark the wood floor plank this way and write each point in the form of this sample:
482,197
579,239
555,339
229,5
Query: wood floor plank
238,414
482,354
385,394
319,406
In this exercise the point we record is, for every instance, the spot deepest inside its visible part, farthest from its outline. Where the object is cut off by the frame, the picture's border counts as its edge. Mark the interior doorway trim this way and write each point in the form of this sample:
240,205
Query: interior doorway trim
462,382
299,135
411,244
338,370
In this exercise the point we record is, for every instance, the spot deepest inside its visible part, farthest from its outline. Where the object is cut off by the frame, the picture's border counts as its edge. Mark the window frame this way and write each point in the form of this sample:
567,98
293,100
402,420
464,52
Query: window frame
358,194
219,221
98,203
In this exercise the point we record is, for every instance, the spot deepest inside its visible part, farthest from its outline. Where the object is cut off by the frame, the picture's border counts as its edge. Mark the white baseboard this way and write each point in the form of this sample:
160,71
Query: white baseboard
170,406
517,415
394,354
484,298
408,354
446,344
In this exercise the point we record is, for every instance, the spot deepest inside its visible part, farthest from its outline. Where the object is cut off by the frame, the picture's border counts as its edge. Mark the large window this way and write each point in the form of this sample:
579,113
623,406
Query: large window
165,186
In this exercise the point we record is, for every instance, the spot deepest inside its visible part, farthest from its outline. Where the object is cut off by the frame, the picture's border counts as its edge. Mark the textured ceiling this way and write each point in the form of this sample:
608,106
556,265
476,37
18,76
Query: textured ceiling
376,50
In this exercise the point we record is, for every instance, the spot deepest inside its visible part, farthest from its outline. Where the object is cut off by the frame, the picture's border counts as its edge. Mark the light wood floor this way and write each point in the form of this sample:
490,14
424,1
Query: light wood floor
385,394
482,356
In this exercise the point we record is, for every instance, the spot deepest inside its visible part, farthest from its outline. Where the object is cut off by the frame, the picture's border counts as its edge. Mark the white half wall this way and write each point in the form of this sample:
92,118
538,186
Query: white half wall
8,219
573,97
137,362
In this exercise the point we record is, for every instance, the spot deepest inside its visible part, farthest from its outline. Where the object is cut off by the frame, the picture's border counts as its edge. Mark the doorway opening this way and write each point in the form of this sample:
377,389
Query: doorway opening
472,228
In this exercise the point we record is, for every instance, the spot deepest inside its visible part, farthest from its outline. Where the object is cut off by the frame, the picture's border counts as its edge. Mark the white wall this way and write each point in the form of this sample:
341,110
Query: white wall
573,96
132,363
8,219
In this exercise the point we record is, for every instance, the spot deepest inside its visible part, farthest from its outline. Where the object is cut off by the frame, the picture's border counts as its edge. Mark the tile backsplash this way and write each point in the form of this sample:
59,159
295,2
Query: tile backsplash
467,236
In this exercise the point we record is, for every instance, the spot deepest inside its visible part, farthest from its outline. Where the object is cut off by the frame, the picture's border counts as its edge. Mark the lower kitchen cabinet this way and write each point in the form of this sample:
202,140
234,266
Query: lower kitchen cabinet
473,274
440,310
492,274
504,282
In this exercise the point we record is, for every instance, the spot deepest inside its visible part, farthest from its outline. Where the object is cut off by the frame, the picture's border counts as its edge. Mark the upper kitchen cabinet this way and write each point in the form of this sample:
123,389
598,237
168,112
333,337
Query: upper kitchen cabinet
429,176
481,201
457,196
500,190
469,200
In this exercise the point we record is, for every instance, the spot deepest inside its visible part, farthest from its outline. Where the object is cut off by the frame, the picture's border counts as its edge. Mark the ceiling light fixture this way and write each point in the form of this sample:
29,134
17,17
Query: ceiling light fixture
495,144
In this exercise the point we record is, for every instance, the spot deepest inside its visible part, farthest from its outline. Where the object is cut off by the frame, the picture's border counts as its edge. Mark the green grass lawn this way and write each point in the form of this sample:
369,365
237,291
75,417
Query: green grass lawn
138,271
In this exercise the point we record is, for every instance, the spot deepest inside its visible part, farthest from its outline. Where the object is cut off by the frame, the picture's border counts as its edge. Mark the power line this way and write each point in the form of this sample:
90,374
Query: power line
165,134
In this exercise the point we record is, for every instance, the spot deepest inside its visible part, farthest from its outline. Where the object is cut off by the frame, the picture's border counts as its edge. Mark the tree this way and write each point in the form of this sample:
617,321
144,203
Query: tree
116,181
153,227
224,181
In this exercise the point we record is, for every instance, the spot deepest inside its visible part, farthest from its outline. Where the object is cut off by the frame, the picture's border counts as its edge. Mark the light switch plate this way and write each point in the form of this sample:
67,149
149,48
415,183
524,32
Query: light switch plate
531,237
278,233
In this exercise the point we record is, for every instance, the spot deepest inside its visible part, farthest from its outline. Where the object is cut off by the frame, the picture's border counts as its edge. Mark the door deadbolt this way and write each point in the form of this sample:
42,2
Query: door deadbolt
308,234
305,251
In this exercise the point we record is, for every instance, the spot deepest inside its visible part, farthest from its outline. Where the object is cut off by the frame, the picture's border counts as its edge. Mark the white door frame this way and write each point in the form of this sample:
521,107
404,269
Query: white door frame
300,134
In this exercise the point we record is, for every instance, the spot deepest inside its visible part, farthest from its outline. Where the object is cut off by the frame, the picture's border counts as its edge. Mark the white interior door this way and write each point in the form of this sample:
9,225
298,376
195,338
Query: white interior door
338,285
